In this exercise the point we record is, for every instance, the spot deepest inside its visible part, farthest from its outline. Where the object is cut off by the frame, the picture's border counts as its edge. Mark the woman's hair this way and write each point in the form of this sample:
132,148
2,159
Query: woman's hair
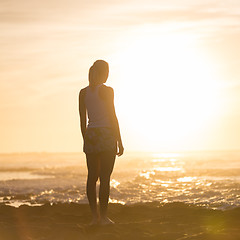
90,74
98,72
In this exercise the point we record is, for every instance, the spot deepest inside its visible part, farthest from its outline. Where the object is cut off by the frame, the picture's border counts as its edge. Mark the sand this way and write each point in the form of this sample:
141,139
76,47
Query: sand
175,221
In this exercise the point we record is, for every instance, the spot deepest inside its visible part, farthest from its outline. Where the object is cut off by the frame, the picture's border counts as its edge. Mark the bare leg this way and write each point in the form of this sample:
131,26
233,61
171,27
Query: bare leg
107,161
93,174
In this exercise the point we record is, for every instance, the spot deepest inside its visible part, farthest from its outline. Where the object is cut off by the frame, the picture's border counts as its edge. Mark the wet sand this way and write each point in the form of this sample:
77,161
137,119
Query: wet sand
175,221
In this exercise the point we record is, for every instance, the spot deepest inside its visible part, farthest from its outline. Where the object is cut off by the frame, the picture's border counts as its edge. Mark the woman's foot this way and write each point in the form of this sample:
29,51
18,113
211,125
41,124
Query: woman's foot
106,221
94,221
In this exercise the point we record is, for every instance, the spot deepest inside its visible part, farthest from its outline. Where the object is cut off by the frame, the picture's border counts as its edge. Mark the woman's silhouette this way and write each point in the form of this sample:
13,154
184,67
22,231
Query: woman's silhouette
101,135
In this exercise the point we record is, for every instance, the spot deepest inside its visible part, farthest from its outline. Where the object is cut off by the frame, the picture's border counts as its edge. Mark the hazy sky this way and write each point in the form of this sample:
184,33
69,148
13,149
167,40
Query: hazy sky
180,52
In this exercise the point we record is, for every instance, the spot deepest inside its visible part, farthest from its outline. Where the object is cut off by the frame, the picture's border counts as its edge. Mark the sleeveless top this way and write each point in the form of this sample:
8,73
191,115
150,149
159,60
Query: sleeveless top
98,116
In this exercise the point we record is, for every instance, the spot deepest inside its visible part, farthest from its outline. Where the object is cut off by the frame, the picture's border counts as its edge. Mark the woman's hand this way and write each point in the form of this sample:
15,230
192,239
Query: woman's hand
120,149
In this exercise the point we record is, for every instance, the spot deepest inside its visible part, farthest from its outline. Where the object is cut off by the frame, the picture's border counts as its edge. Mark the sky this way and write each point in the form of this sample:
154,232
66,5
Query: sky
174,67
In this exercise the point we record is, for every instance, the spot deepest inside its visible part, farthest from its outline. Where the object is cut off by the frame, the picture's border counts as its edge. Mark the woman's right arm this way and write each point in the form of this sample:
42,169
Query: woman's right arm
82,112
108,94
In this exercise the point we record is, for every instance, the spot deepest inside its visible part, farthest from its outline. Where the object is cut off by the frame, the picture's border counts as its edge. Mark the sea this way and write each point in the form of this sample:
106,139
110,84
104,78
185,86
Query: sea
208,178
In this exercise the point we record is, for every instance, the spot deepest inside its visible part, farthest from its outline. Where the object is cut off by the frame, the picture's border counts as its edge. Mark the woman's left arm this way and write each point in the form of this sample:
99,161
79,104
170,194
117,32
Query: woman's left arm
107,93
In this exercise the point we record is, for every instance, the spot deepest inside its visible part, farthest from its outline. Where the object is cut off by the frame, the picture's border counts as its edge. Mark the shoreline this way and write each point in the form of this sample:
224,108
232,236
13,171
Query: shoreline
141,221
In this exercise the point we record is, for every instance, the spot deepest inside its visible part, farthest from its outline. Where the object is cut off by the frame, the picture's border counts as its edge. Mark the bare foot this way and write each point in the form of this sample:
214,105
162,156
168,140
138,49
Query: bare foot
94,221
106,221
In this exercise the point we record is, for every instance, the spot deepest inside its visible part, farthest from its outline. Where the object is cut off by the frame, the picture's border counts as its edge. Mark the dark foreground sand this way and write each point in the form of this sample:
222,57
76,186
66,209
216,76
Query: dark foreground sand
176,221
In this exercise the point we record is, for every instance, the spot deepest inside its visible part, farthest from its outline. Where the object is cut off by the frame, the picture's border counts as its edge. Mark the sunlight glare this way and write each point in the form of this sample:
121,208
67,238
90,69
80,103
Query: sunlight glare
168,88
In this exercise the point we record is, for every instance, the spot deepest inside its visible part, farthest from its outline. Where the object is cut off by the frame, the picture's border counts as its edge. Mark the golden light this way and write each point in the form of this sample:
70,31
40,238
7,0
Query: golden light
168,88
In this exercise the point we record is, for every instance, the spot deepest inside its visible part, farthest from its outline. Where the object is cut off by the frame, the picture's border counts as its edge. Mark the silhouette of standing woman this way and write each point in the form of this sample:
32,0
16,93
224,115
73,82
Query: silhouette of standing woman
101,136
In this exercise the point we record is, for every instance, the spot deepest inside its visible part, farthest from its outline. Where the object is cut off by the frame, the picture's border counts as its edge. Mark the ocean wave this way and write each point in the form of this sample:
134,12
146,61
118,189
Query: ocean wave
139,178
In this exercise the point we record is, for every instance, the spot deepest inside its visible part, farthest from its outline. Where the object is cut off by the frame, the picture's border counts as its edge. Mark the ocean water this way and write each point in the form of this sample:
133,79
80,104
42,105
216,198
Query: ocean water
210,179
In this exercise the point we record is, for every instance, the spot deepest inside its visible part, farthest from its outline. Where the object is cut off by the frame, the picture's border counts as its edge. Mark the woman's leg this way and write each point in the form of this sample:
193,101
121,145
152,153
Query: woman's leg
93,174
107,160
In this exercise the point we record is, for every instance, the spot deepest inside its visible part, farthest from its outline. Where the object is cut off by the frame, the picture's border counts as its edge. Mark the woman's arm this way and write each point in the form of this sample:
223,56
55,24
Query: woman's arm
82,112
108,94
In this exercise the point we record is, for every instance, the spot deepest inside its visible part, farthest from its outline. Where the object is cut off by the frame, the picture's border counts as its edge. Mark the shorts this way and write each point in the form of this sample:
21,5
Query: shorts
98,140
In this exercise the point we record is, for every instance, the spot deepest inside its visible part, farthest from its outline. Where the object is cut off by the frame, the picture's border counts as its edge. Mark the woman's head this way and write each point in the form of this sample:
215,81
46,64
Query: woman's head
98,72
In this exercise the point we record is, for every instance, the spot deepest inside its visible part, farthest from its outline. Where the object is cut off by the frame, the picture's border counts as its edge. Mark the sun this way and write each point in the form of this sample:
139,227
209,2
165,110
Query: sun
168,89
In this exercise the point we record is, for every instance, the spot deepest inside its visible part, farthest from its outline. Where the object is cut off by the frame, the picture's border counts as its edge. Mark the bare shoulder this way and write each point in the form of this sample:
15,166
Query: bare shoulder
81,98
106,92
82,92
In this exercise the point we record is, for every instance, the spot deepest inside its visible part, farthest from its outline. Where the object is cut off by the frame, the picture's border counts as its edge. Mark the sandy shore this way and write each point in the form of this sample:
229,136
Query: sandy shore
176,221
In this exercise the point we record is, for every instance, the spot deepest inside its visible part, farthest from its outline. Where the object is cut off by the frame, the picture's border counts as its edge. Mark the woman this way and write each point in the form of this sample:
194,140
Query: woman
101,136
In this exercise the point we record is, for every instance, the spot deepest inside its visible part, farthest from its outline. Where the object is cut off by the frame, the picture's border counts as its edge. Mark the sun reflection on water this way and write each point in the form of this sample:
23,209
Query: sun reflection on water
166,155
116,201
186,179
114,183
147,174
168,169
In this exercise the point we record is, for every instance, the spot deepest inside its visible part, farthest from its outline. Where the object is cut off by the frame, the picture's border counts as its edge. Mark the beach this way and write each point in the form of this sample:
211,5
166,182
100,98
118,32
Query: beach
172,221
167,196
